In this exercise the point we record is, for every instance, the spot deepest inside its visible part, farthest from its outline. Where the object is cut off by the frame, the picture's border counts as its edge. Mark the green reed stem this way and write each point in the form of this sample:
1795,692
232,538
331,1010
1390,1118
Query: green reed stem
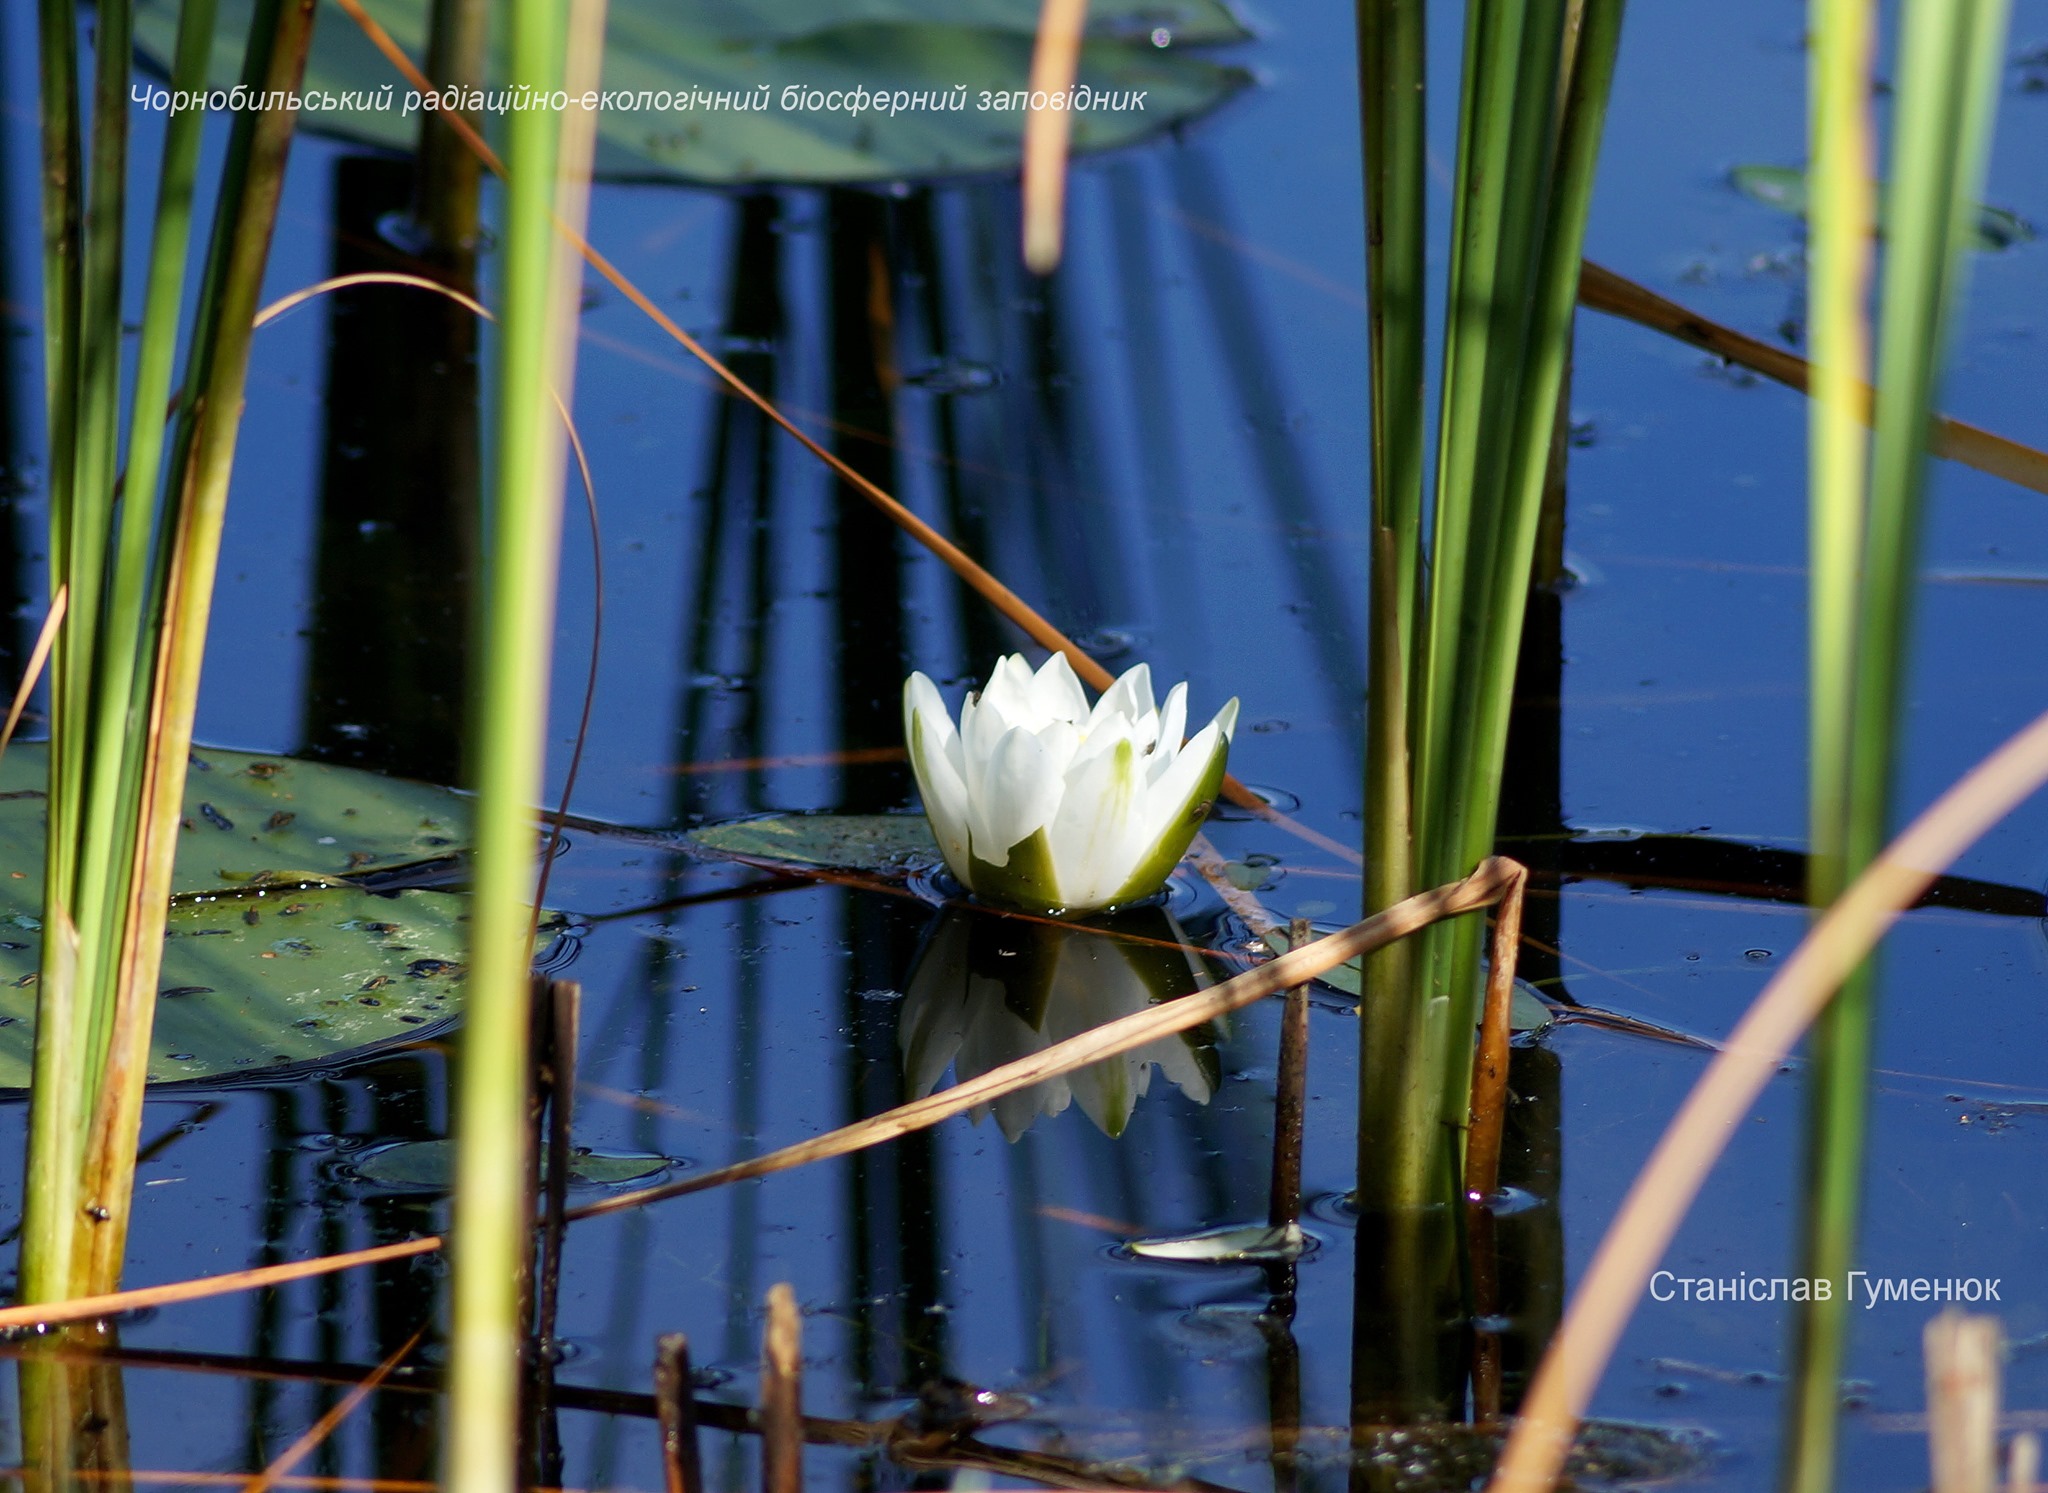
547,174
1391,41
1950,56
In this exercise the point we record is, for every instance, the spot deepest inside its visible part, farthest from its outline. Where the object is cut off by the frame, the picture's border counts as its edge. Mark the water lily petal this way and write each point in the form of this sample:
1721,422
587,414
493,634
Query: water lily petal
934,753
1173,724
1019,794
1061,741
1009,691
1057,693
1175,807
1130,699
1096,835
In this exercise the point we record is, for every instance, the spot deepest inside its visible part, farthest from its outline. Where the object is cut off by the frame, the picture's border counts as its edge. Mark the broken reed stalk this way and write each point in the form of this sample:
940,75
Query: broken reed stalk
977,576
1962,1351
1290,1095
2023,1464
1055,61
1490,1064
1662,1192
1485,886
561,1018
1483,1145
675,1408
782,1395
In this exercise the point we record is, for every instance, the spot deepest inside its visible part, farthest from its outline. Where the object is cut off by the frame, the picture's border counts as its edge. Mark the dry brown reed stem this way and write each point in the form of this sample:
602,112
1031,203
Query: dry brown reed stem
39,655
782,1395
977,576
1485,886
1290,1095
1490,1065
1481,889
282,1464
1667,1185
675,1407
2023,1464
1962,1353
1601,289
1055,61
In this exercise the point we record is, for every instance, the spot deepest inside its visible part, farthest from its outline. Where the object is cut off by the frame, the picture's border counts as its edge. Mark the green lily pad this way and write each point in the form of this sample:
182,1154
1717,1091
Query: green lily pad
736,47
1527,1011
269,958
247,813
886,844
1784,187
260,977
429,1166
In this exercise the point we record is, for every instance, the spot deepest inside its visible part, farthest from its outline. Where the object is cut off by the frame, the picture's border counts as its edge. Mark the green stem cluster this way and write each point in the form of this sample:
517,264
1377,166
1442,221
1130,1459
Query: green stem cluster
1447,603
133,558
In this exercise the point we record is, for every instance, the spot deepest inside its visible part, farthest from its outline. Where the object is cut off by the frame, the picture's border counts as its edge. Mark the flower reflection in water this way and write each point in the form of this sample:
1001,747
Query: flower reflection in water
988,990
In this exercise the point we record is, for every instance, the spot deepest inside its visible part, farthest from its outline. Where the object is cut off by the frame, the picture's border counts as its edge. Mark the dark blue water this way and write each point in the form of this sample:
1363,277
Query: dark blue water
1162,448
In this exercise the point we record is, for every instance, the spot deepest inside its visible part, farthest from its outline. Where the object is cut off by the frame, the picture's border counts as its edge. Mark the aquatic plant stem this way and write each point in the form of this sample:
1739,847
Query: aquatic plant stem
782,1395
1391,91
548,181
1842,223
1950,60
675,1405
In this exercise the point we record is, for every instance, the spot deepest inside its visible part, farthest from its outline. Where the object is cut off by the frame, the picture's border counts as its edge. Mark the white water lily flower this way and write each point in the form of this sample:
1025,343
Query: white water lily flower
1040,802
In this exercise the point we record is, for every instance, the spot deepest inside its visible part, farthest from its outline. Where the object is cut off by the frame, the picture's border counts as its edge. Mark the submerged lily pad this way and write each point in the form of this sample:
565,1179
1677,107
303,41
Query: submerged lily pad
1527,1011
737,47
887,844
1233,1244
269,958
1784,187
429,1166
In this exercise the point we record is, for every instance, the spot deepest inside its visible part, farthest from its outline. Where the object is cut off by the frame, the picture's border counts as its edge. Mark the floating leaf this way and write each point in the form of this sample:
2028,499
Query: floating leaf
888,844
1784,187
284,974
737,47
1527,1011
247,813
269,959
1233,1244
429,1166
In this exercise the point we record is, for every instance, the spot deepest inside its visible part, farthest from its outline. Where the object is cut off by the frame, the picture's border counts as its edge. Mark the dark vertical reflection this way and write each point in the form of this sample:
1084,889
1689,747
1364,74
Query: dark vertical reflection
1248,359
15,445
985,637
398,501
892,1226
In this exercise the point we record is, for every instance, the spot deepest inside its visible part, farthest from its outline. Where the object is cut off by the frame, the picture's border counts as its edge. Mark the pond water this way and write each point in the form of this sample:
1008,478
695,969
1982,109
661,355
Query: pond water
1164,450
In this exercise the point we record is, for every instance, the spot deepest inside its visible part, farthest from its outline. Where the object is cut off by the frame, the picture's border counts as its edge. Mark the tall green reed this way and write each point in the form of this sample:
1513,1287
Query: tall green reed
554,45
133,559
1866,503
1449,588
